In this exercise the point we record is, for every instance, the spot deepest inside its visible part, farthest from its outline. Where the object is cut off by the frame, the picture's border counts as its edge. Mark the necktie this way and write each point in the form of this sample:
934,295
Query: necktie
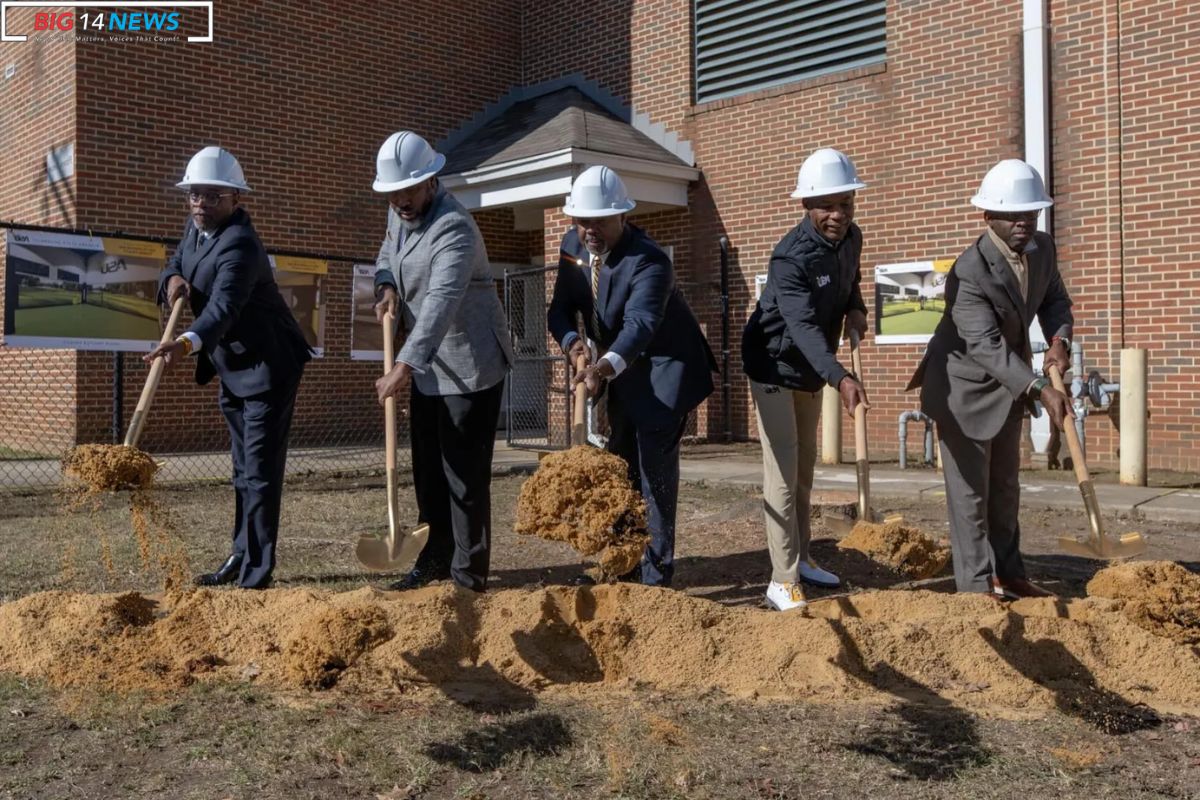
595,266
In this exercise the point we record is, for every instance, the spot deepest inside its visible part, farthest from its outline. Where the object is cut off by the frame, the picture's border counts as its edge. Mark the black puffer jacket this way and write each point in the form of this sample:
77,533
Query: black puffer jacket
793,333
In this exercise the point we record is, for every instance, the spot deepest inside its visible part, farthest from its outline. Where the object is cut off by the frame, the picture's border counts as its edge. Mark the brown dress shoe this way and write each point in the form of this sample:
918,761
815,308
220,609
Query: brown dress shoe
1016,588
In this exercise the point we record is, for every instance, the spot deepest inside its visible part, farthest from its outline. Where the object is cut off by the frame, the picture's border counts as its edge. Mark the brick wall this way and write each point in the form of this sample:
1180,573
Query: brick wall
37,115
305,100
923,129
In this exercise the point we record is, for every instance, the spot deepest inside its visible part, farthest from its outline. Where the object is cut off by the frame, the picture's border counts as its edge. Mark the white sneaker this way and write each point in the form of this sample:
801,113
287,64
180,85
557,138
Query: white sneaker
785,596
811,573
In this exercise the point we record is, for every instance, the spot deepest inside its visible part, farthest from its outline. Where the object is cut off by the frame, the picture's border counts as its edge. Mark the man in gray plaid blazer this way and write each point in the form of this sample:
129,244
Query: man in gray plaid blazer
433,275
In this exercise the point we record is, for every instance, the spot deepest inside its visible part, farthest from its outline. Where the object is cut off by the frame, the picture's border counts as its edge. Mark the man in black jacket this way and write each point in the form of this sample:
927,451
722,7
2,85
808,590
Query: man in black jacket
812,296
244,334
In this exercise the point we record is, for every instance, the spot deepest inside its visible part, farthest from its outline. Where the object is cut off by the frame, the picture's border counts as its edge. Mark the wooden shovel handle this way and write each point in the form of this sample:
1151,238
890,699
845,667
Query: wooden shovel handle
134,434
579,417
856,356
862,457
1081,470
389,422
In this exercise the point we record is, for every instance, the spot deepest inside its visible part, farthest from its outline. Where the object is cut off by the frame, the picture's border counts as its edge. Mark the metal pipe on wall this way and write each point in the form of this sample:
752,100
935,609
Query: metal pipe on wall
915,416
726,386
1036,94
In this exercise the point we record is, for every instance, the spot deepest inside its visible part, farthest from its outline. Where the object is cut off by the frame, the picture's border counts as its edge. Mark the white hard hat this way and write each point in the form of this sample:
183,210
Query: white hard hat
826,172
214,166
598,192
1012,185
405,160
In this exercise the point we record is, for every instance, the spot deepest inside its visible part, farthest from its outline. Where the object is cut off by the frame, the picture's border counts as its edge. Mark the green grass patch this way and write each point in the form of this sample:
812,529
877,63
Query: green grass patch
912,323
84,322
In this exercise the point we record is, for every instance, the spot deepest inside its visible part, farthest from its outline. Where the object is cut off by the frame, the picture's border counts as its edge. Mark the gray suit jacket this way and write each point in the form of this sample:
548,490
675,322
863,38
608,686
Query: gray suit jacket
457,340
978,363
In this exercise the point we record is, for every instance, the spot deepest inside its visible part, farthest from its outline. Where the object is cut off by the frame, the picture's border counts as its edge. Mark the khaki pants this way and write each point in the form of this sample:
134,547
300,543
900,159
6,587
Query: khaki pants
787,425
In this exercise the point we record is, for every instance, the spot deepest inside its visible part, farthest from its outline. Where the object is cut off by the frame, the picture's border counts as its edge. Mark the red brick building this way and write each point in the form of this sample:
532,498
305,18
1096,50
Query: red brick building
924,96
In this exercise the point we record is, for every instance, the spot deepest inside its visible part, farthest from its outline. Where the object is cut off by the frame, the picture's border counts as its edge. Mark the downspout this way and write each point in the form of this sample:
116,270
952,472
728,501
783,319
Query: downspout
1035,29
726,388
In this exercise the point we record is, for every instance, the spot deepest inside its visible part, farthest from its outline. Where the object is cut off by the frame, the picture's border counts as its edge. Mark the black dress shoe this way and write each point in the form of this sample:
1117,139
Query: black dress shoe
419,576
267,584
226,573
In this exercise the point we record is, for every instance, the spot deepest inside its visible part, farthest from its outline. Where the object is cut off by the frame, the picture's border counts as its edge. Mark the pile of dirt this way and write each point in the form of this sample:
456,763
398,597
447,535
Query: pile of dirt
1160,596
905,549
582,496
873,646
110,467
321,651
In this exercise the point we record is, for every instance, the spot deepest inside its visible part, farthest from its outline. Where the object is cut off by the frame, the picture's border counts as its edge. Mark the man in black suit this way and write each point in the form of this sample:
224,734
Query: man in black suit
244,334
651,352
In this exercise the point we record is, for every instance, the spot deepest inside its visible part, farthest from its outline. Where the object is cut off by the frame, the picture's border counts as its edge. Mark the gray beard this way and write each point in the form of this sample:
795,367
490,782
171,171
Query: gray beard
412,225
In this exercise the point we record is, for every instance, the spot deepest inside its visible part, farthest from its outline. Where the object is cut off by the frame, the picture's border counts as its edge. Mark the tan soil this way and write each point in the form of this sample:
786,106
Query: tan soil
1160,596
582,496
108,467
905,549
103,468
872,646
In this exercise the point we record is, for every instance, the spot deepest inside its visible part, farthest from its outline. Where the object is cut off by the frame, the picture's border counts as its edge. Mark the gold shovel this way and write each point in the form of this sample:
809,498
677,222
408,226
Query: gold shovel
1098,544
395,551
842,523
579,417
134,433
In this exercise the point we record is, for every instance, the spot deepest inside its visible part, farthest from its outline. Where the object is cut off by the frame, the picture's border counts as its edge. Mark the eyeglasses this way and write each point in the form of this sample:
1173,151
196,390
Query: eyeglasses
1016,216
210,198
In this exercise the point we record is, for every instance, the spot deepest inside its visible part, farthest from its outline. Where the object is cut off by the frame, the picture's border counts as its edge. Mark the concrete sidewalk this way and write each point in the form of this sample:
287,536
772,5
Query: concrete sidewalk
838,484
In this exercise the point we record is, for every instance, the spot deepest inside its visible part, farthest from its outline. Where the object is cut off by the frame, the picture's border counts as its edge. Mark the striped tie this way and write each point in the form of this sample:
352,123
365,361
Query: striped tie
595,266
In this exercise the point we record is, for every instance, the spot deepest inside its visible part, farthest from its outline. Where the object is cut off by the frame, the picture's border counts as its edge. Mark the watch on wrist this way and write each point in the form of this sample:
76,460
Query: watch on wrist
187,345
1065,341
1035,388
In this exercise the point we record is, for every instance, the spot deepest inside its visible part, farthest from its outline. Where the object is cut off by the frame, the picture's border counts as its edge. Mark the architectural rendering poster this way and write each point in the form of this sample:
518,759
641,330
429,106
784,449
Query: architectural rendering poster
909,300
81,292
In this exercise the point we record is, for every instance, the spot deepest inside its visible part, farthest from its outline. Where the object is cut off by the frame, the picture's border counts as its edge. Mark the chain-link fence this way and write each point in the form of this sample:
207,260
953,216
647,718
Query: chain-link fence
52,400
536,412
79,312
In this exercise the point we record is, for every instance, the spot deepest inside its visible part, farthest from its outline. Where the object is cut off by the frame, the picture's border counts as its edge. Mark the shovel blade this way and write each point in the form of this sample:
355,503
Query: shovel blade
842,524
1130,545
391,553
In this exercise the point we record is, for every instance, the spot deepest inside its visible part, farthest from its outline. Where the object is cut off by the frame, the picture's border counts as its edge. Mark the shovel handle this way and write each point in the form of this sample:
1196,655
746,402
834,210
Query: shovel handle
862,457
1081,470
856,355
1086,490
579,417
389,421
134,434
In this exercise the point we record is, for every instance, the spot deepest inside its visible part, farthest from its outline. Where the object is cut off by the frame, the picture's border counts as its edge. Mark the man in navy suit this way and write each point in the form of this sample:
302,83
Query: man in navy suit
244,334
649,349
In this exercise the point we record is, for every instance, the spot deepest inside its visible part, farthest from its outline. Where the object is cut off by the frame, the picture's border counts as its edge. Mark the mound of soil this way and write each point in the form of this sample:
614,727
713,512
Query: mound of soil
905,549
582,496
874,646
1160,596
109,467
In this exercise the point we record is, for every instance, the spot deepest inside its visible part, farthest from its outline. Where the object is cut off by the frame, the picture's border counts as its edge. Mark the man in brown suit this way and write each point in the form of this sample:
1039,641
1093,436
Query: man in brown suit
976,377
